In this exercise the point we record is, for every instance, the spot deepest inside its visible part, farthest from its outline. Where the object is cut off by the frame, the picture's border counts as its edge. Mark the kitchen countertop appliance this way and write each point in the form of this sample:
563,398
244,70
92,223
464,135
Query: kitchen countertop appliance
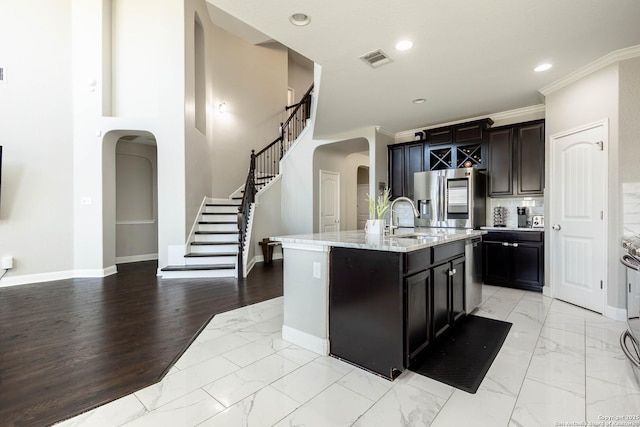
450,198
630,338
537,221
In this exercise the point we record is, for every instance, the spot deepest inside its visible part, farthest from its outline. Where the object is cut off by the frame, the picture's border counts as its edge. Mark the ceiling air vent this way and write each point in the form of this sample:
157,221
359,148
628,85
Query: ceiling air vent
376,58
3,74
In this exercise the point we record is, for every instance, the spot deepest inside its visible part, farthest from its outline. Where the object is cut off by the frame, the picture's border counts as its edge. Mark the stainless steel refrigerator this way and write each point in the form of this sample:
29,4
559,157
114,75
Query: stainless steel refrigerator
450,198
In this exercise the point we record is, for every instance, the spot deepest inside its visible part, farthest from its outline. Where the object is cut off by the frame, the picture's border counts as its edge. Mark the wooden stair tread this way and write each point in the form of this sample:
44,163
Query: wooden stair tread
218,213
217,232
217,222
209,254
198,267
214,243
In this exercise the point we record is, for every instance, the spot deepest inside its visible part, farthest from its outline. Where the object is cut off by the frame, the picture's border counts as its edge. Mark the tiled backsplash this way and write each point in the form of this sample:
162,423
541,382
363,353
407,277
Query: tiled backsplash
631,208
535,206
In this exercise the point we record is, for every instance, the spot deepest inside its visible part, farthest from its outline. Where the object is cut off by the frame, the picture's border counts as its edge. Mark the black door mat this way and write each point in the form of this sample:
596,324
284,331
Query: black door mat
462,358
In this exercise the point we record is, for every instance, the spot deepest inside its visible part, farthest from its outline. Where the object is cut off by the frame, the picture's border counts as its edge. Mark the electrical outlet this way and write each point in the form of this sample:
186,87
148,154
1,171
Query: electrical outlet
7,262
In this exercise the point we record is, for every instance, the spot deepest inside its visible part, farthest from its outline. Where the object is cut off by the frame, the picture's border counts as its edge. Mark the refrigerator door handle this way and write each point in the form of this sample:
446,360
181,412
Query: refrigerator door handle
442,197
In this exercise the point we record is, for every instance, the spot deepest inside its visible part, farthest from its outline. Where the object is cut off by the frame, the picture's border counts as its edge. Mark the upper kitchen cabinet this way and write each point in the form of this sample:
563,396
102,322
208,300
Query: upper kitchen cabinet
404,161
457,146
516,160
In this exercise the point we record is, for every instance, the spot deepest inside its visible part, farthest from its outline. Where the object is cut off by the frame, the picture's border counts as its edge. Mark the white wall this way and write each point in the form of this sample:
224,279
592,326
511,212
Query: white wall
266,221
36,217
252,81
159,109
590,99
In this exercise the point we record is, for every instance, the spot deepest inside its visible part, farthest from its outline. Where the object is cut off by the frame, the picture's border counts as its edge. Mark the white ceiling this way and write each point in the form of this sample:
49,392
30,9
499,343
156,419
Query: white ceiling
470,57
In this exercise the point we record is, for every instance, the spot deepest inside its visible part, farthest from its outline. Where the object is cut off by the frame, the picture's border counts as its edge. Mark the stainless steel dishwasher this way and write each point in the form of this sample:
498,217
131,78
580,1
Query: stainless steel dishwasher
473,273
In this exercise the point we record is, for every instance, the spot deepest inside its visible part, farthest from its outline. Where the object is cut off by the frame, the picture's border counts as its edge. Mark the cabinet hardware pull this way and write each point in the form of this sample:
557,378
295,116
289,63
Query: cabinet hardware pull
515,245
452,272
505,244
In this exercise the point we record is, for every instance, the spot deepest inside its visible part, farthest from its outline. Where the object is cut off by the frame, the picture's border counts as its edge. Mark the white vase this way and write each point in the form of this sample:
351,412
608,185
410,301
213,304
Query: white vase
374,226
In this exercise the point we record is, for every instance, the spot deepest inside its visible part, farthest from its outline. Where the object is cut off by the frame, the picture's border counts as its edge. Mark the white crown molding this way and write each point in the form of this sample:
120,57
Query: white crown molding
408,135
385,132
605,61
506,115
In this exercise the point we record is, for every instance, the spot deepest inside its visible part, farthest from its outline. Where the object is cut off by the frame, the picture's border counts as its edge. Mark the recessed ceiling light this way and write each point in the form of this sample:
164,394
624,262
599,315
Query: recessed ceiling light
542,67
300,19
419,101
404,45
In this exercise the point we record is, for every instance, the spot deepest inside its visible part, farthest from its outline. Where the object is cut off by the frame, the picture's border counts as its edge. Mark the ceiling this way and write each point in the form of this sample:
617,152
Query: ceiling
470,58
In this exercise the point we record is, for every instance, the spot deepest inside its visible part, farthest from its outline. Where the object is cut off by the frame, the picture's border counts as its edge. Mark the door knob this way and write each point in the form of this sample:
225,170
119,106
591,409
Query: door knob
556,227
337,221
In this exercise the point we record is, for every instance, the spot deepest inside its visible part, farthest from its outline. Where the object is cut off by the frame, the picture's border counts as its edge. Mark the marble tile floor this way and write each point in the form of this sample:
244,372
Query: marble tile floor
560,365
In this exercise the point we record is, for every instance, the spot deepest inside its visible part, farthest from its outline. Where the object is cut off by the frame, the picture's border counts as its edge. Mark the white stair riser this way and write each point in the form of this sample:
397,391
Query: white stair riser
211,260
222,218
226,238
230,209
193,274
215,249
218,227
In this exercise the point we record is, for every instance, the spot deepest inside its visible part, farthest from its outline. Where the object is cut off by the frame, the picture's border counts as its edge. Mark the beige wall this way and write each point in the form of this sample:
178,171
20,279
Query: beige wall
252,81
593,98
136,202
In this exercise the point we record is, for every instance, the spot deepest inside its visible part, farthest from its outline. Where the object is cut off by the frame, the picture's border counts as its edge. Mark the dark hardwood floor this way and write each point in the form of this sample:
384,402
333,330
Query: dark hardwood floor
71,345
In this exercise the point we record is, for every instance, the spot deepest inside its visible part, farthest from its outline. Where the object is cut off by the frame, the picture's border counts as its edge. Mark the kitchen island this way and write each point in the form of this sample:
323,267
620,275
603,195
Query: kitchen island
376,301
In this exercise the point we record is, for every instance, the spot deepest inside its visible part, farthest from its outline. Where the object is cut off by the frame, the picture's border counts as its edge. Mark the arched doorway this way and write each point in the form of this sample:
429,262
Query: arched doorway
130,197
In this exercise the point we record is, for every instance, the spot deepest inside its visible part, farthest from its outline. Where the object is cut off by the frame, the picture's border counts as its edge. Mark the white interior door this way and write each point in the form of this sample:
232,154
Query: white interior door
577,208
363,205
329,201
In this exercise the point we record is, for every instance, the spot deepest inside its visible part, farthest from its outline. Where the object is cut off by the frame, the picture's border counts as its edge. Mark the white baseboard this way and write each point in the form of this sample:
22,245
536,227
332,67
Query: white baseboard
136,258
260,258
615,313
310,342
57,275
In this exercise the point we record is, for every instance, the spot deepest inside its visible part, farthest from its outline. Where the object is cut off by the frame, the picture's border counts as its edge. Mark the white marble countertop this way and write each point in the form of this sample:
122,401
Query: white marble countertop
424,237
512,228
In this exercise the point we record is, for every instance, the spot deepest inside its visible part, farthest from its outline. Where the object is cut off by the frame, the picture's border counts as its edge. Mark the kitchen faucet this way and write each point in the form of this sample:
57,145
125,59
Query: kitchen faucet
405,199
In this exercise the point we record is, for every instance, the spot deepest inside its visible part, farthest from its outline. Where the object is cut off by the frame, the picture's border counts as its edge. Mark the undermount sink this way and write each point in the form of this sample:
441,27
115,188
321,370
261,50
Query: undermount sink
418,236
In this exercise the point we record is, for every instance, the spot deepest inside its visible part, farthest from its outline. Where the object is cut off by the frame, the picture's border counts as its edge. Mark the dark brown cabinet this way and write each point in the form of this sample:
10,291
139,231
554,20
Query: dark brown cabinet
516,160
418,312
413,155
457,146
514,259
385,306
404,161
448,295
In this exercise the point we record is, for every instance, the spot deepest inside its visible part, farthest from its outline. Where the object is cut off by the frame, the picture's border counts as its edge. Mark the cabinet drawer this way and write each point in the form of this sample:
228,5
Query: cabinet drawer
448,251
514,236
417,261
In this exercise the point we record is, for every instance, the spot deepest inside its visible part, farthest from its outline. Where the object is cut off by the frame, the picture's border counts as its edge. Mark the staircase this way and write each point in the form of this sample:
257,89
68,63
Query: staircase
219,245
214,249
